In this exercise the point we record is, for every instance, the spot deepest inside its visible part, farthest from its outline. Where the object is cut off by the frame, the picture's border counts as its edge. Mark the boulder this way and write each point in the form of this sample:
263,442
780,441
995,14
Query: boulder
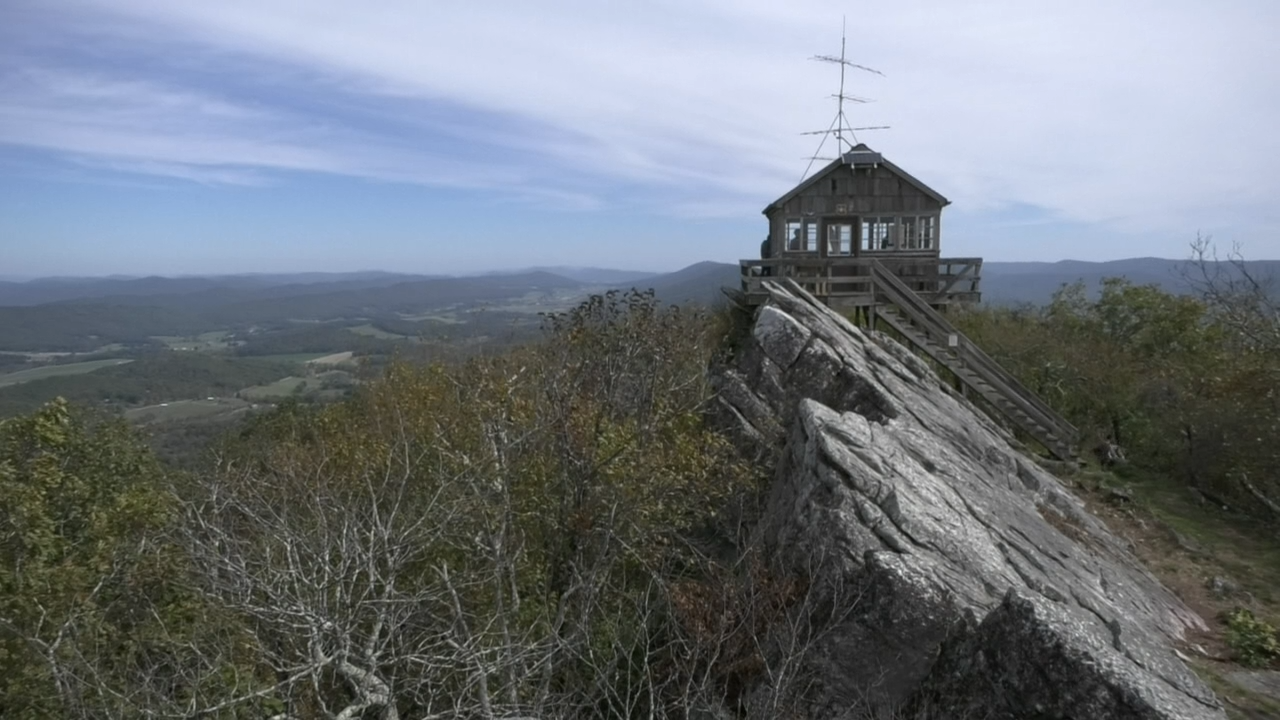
947,568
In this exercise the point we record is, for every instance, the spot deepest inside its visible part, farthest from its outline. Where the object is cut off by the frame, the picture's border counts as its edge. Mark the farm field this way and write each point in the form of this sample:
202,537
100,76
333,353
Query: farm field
326,385
333,359
40,373
282,388
371,331
204,342
293,357
179,410
447,319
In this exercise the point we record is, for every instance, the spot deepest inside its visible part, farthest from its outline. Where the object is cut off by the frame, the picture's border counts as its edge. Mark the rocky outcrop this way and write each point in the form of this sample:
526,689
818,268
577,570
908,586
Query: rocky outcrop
958,578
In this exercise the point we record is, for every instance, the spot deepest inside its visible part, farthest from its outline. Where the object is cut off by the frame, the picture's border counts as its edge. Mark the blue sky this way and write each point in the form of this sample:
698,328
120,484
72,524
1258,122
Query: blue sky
139,136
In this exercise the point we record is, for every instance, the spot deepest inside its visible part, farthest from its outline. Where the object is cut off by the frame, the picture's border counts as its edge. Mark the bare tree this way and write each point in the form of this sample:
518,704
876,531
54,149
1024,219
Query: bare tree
1241,299
1248,307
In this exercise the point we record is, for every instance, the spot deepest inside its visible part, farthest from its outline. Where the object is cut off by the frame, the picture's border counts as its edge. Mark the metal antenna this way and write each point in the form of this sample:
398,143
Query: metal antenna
840,126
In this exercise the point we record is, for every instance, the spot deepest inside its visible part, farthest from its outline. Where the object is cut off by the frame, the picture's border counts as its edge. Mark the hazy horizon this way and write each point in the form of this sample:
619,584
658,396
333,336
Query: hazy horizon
515,270
217,138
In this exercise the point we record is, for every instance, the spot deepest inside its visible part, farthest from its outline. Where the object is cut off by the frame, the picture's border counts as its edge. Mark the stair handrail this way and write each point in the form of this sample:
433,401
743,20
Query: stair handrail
1041,427
933,323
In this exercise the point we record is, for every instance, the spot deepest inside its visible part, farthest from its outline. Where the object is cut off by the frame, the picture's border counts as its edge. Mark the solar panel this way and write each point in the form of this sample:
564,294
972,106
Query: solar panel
862,157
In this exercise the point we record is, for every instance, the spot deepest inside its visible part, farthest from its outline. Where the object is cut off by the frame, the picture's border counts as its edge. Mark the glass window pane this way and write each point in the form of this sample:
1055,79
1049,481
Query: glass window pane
791,236
839,239
910,238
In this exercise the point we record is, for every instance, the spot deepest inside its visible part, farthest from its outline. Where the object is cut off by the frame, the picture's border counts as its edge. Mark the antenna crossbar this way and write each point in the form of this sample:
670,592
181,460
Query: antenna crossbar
842,61
852,98
840,126
832,131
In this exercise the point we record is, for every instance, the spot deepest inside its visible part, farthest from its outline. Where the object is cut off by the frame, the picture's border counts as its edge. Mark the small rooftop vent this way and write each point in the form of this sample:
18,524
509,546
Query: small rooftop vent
862,158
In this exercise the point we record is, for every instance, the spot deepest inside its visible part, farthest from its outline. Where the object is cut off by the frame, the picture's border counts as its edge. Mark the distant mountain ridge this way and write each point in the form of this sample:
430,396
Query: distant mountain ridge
1008,283
699,283
60,289
133,290
600,276
1002,283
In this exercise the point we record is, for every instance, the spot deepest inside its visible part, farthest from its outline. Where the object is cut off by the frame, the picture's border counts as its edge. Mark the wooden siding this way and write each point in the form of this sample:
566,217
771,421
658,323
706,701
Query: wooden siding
862,191
845,194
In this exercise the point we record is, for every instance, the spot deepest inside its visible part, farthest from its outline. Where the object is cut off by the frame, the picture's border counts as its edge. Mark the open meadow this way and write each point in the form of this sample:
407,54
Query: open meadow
52,371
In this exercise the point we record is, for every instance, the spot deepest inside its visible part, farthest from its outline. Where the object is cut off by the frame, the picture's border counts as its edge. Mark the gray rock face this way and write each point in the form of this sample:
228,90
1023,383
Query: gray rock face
959,574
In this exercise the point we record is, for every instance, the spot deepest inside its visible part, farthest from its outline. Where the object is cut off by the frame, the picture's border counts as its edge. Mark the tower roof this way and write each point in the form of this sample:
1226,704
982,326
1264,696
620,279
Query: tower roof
858,156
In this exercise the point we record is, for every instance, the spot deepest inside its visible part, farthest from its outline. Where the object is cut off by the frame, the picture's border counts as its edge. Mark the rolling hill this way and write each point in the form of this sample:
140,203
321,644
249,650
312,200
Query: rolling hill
1011,283
82,314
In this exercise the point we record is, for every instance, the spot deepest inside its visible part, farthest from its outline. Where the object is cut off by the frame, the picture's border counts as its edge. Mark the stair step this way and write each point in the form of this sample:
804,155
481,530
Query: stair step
982,380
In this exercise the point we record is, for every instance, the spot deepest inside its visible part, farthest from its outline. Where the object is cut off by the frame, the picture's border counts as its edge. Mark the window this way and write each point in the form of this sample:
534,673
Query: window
905,233
879,233
839,239
910,233
791,236
800,235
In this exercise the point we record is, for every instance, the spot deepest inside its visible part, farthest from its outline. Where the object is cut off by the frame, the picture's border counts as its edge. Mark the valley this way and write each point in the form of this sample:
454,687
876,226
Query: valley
184,358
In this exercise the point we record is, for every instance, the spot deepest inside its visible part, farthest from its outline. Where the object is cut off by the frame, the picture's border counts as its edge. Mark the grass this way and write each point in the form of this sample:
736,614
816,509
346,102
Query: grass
185,410
1241,704
537,301
1242,549
371,331
41,356
1186,543
281,388
204,342
41,373
337,381
334,359
449,319
292,357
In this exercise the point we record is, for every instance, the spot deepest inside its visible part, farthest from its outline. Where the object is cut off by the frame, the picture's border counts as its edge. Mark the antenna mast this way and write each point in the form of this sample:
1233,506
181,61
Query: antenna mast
840,126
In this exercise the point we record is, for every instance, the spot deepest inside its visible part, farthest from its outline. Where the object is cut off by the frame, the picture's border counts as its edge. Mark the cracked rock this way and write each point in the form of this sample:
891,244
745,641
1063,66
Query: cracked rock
925,532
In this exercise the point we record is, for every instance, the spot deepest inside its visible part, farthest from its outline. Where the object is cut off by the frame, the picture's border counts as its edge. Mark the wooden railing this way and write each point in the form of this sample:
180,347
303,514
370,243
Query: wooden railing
892,291
848,281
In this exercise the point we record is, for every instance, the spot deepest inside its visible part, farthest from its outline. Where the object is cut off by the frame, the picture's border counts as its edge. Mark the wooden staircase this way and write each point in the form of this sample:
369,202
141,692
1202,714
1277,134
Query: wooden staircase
927,329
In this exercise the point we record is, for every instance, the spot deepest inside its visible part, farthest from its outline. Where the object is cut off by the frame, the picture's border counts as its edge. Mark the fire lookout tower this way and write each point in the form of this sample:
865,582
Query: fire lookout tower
859,213
864,236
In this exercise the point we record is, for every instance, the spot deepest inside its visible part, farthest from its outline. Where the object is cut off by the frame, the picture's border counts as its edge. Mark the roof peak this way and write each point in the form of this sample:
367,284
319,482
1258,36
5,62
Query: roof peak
862,156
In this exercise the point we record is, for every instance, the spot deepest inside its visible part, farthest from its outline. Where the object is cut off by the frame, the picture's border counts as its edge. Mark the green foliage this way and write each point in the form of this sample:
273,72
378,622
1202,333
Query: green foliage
86,324
494,536
77,505
322,338
1255,642
13,362
540,494
1159,374
146,381
97,617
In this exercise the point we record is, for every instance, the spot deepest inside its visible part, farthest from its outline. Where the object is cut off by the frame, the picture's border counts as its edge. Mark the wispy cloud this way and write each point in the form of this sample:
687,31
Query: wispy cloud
153,127
1141,115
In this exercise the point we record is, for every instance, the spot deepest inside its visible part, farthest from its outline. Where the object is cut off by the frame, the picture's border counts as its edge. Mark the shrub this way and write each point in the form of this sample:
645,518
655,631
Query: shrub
1254,641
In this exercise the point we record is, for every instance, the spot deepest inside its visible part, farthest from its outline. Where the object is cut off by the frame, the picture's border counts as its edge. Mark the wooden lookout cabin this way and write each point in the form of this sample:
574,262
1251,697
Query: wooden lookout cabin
829,231
864,236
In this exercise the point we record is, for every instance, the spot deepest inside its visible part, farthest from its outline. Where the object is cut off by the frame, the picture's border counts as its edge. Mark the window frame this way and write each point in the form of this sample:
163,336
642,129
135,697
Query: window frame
884,233
879,233
808,232
843,246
